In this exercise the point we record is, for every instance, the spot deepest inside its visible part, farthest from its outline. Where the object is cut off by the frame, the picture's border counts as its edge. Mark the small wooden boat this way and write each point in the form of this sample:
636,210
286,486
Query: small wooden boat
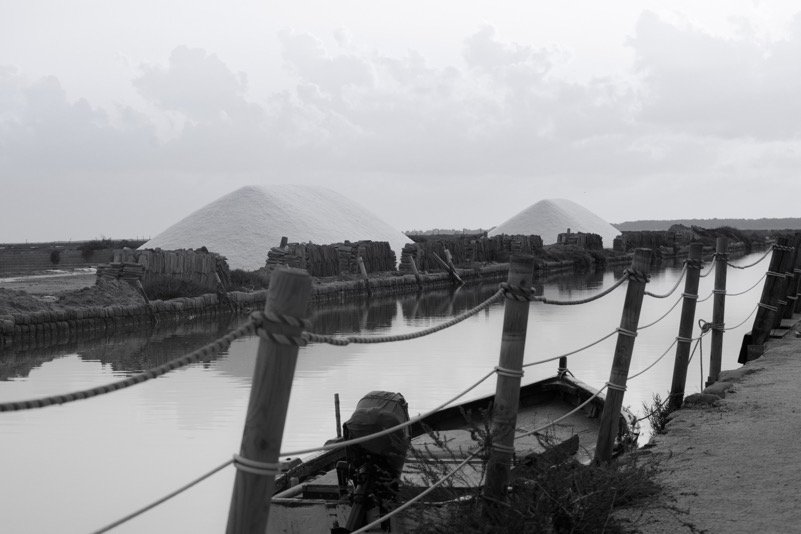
320,495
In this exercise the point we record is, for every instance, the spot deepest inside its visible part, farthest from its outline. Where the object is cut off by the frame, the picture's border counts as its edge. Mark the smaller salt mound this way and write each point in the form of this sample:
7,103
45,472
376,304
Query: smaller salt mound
244,224
551,217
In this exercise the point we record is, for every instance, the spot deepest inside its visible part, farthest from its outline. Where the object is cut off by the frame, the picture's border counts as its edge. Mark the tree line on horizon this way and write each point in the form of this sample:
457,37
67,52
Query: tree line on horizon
785,223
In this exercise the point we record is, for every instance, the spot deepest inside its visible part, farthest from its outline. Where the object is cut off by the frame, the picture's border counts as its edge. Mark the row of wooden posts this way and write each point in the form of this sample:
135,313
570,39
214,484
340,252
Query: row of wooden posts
288,294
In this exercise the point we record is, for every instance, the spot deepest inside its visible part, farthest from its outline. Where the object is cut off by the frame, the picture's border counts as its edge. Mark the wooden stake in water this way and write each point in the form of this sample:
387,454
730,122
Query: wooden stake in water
363,270
269,398
686,323
718,308
510,372
610,418
766,311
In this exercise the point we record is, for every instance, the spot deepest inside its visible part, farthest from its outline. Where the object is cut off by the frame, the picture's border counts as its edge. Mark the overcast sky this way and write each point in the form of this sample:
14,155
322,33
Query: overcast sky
117,119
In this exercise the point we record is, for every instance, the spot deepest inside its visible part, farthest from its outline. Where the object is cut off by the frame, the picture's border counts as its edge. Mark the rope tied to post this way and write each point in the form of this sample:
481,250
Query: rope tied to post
783,248
511,373
265,322
706,326
696,264
637,276
625,332
775,274
768,307
616,387
689,296
256,468
517,292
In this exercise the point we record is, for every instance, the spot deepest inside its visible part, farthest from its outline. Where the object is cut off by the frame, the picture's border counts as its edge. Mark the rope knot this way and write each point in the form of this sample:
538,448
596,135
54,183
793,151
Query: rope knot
694,264
637,276
516,292
269,326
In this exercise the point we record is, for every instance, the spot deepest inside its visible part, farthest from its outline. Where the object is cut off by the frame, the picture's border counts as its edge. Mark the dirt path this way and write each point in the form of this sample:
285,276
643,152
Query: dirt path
734,466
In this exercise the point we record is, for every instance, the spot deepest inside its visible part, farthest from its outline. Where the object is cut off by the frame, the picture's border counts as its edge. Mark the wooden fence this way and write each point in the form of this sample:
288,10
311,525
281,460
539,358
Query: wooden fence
206,269
334,259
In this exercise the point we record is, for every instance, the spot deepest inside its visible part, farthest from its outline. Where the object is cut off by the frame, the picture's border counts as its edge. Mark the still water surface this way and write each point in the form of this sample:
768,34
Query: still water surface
79,467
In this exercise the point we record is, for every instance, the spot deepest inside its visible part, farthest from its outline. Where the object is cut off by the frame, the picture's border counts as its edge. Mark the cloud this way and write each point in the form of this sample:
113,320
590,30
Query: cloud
721,87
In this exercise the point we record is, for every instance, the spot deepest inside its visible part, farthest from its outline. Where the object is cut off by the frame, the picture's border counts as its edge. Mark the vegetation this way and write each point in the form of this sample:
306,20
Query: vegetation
241,280
88,248
657,414
559,496
168,287
55,257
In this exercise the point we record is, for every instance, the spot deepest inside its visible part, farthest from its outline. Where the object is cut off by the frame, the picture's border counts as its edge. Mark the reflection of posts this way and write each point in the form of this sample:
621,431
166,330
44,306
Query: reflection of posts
684,339
610,419
718,308
510,373
257,463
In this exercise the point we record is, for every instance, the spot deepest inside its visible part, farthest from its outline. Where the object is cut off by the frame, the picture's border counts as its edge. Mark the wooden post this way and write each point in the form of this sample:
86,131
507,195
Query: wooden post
791,282
510,372
797,282
337,415
718,308
766,311
449,260
610,418
415,271
686,323
284,241
364,274
269,398
451,270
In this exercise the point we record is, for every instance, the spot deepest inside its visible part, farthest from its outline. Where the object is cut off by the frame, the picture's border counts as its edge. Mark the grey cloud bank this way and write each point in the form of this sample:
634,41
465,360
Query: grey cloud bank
703,126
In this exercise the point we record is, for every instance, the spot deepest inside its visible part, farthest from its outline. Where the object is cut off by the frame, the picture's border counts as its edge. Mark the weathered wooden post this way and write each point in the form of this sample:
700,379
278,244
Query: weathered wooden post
767,307
791,280
684,339
413,264
610,418
257,463
718,308
510,373
797,282
363,270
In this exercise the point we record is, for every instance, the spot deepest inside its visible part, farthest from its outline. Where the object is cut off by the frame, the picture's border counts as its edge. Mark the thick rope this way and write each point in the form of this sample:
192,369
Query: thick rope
163,499
747,290
744,320
584,301
675,287
207,351
711,268
538,362
342,341
413,420
751,264
568,414
665,315
658,359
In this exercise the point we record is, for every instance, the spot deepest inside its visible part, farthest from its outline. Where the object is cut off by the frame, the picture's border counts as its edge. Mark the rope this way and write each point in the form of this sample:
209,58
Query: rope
658,359
711,268
749,289
744,320
752,264
416,498
616,387
768,307
584,301
705,298
607,336
568,414
356,441
342,341
511,373
624,332
683,272
209,350
638,276
163,499
256,468
666,314
777,275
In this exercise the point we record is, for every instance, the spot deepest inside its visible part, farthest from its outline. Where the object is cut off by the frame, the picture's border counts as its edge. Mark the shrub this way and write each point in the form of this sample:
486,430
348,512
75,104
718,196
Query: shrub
55,257
168,287
241,280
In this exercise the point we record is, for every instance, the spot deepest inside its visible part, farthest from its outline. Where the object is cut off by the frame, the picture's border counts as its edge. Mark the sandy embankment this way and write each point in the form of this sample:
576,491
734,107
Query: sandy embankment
48,283
733,465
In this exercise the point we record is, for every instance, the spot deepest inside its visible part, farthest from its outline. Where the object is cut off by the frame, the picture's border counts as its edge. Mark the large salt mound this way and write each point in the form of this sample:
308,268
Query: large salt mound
245,224
549,218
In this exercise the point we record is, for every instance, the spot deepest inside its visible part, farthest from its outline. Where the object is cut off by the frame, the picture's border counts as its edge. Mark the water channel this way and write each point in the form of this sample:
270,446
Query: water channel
78,467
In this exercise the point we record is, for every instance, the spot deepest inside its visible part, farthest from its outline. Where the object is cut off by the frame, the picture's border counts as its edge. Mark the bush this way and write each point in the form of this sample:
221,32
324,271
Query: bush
55,257
168,287
241,280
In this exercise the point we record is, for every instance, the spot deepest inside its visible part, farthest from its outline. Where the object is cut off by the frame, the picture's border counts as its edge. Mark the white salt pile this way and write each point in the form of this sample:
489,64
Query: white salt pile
245,224
551,217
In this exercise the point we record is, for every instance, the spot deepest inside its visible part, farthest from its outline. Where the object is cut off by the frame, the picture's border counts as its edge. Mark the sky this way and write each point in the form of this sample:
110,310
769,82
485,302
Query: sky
118,119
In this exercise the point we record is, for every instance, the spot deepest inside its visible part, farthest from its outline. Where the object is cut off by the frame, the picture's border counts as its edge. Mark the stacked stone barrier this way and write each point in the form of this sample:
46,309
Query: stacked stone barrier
334,259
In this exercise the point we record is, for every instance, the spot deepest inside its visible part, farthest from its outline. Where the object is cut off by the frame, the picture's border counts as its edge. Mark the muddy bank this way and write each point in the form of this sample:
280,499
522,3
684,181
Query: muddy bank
730,457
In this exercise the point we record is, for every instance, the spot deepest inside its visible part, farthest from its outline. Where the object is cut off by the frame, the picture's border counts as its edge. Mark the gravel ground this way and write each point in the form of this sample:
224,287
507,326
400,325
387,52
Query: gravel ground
733,465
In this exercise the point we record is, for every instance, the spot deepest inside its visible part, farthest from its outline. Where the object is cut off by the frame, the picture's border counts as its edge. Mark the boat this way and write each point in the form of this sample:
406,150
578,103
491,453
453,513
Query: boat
326,493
